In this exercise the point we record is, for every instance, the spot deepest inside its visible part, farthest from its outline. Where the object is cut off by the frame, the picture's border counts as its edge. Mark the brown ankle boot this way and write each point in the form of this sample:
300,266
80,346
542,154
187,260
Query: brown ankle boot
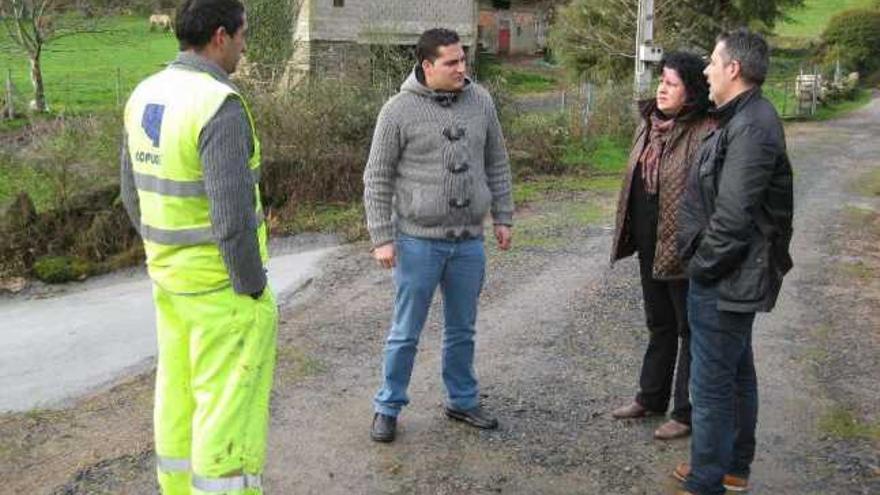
632,410
672,429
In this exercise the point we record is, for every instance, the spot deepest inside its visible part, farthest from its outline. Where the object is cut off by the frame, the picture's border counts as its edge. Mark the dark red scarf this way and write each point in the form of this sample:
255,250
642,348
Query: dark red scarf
658,134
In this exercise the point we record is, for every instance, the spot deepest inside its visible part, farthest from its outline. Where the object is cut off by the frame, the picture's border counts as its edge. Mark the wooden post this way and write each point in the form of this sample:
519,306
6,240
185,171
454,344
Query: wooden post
118,87
10,106
784,96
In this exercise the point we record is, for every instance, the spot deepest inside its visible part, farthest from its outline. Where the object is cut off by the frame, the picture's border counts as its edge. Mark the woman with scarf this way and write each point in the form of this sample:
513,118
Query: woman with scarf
672,127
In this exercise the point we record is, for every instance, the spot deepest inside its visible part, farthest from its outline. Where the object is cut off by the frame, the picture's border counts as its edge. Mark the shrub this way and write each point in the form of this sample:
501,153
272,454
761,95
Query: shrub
60,269
854,36
316,140
612,113
76,154
536,143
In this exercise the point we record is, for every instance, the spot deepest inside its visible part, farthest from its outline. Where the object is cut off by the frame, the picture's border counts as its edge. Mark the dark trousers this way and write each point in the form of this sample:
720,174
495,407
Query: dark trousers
666,318
725,392
665,315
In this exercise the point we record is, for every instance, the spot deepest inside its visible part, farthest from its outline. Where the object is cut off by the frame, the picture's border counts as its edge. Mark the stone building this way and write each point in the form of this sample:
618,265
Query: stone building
519,28
337,37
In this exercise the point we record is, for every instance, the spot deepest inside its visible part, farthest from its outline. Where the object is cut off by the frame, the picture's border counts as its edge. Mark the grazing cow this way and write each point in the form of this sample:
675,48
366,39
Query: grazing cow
161,21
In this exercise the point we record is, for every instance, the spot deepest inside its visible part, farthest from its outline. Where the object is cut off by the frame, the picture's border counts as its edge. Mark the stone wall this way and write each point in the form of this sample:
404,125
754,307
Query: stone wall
326,37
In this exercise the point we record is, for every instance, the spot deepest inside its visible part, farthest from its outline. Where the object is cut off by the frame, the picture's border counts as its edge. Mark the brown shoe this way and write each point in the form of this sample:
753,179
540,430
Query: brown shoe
672,429
730,482
632,410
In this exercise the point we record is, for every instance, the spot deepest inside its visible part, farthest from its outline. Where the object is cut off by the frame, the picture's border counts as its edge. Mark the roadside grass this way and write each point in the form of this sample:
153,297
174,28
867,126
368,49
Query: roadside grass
839,422
602,155
868,184
94,71
344,219
537,188
808,22
295,365
855,270
834,110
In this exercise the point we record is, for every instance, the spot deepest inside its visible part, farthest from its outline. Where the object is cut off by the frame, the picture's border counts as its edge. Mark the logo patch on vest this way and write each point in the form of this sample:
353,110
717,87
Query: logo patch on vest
152,122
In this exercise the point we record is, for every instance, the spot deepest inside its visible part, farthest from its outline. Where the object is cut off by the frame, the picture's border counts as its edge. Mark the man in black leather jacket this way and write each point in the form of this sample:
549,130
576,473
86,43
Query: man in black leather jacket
734,234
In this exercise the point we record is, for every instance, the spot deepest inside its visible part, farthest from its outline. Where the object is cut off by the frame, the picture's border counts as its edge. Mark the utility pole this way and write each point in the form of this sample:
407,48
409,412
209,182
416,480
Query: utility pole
646,52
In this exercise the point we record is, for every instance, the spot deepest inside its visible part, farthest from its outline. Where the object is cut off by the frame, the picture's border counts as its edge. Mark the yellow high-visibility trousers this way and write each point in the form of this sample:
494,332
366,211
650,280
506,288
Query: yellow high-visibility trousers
213,380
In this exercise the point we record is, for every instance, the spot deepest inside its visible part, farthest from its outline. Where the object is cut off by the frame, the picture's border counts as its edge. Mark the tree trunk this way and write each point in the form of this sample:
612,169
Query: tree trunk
39,102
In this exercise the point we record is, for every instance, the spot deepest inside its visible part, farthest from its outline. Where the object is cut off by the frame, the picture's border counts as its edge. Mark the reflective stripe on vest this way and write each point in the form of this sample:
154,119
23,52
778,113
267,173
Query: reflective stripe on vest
173,464
181,237
221,485
177,188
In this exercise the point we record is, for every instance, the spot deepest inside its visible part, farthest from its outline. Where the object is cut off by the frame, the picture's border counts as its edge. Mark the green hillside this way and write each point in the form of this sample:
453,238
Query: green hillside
809,21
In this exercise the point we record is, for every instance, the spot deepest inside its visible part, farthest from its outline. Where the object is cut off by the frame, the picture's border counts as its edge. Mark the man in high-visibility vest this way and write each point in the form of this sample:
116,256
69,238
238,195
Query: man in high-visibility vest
190,172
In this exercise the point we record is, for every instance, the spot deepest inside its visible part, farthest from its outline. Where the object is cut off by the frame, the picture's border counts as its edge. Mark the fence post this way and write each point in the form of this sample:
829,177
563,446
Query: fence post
10,106
815,91
118,87
784,96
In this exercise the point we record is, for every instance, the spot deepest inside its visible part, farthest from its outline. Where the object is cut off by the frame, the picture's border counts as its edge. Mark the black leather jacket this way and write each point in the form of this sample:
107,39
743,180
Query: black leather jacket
735,220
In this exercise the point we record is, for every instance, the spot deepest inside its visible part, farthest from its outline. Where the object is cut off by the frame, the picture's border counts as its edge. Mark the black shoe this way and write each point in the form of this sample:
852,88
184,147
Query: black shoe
384,428
475,417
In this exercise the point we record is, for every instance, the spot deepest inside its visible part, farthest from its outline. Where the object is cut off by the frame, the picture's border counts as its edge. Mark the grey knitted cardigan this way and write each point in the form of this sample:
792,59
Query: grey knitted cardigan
438,164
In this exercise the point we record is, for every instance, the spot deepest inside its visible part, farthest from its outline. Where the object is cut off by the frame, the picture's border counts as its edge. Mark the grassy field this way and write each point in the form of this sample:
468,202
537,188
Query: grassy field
93,71
809,21
522,78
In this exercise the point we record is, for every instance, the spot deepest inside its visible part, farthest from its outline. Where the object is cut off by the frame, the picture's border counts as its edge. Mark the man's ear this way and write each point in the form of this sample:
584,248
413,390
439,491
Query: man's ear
219,36
426,63
735,70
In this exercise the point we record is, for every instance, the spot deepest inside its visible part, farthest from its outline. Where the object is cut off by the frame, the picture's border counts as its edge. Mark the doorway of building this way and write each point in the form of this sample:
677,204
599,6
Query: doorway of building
504,38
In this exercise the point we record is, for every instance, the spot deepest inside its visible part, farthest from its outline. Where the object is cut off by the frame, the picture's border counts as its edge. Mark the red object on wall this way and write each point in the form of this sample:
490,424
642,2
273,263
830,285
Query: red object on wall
504,40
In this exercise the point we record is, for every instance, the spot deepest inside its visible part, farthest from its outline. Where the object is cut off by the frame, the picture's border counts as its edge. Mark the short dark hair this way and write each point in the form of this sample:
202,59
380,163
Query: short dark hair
431,40
690,69
197,20
750,50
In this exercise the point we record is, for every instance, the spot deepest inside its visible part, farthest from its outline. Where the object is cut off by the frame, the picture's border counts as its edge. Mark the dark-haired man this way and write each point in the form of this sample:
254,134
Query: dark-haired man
734,234
438,165
190,167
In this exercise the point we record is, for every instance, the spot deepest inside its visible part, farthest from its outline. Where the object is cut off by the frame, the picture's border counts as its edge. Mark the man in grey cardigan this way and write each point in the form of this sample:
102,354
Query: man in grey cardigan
438,165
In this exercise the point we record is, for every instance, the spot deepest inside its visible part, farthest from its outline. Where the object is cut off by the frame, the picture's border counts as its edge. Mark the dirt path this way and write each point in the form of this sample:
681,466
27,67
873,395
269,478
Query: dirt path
560,335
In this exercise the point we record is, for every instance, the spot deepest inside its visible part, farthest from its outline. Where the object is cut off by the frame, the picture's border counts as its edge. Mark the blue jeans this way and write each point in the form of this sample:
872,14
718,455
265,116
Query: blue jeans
458,268
724,392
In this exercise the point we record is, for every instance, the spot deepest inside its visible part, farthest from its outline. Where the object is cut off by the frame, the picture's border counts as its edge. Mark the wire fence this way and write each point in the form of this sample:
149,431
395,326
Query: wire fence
794,98
67,94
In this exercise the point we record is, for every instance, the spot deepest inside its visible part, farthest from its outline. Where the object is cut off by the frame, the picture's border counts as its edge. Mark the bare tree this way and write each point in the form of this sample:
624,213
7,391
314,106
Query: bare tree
31,26
599,35
596,36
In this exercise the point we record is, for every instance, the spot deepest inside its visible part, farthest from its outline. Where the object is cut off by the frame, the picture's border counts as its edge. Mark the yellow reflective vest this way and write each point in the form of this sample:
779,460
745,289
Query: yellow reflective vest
163,120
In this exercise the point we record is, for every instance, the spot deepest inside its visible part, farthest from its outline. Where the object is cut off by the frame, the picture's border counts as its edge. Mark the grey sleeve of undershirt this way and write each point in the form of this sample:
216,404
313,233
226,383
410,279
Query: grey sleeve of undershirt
225,148
127,189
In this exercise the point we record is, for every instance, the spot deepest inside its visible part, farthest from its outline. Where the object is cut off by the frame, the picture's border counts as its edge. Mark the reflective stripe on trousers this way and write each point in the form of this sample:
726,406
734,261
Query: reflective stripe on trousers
173,465
222,485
